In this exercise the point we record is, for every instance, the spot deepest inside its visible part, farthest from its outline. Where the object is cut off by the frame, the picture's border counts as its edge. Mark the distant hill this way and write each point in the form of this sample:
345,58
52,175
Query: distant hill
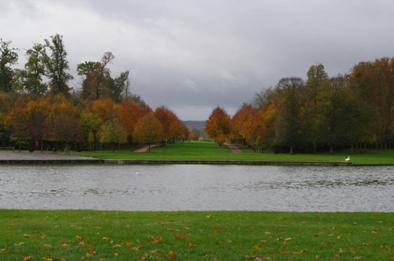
197,125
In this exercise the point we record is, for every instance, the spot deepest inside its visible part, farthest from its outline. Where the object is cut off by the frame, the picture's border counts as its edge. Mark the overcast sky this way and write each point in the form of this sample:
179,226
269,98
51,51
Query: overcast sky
194,55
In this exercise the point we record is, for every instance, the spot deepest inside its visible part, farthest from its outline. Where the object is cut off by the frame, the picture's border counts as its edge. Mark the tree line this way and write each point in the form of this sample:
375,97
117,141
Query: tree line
354,111
39,109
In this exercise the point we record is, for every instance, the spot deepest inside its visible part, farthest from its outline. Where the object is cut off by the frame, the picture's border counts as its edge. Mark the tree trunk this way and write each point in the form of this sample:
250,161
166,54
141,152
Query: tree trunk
149,147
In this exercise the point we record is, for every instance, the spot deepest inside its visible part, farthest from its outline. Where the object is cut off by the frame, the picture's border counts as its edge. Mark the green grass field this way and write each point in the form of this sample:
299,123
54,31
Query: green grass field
97,235
211,151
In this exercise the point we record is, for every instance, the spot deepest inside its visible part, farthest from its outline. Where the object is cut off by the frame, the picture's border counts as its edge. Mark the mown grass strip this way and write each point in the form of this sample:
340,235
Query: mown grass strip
211,151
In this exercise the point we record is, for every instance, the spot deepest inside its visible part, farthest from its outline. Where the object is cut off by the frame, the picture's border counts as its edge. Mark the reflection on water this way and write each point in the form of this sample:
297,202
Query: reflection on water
198,187
320,184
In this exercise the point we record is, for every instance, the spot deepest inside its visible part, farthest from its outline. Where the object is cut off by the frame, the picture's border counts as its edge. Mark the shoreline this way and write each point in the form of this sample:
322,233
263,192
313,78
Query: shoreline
182,162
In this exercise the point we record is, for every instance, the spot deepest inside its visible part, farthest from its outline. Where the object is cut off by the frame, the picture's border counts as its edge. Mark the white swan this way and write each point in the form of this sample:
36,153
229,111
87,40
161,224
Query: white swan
347,159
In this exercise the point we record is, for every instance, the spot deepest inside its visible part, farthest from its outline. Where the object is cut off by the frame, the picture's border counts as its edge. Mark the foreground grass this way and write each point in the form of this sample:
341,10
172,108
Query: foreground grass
98,235
211,151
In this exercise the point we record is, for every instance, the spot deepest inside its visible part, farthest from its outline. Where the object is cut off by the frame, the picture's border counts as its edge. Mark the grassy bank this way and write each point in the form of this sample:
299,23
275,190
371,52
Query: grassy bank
72,235
210,151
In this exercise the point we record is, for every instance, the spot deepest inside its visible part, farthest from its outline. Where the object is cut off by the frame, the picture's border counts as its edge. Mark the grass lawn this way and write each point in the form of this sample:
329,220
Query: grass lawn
98,235
211,151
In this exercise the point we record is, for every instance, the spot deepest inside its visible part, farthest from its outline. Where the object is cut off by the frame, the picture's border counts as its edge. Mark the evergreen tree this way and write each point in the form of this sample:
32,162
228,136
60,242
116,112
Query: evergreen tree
8,57
57,66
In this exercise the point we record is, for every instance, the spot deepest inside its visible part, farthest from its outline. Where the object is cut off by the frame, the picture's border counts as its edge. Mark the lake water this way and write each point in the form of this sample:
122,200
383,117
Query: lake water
198,187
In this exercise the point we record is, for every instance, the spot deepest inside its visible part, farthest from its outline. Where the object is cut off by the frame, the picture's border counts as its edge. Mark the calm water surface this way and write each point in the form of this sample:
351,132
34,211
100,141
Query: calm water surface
198,187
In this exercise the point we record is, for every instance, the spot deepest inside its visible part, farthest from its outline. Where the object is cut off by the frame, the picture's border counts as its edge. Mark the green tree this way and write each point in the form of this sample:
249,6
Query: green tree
31,77
317,77
8,57
119,86
98,82
57,66
91,82
288,131
91,124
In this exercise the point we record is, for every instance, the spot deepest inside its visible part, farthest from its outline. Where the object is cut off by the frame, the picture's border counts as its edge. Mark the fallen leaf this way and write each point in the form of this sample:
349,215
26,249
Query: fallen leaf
171,255
182,237
284,250
375,231
156,240
128,244
90,253
26,258
256,248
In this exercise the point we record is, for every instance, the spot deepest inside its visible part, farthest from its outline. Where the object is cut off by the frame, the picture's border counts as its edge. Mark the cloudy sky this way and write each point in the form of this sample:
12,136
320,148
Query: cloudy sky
194,55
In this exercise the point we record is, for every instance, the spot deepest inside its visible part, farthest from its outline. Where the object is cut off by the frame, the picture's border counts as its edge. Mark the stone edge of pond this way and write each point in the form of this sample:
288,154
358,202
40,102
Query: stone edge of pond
173,162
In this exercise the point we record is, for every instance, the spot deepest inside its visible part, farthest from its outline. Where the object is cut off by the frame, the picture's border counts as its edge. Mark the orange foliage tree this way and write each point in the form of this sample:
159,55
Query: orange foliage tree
63,123
218,125
27,121
173,128
148,130
238,120
104,108
129,113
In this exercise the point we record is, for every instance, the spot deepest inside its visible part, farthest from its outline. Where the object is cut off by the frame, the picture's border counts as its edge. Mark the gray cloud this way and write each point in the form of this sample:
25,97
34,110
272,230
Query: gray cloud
194,55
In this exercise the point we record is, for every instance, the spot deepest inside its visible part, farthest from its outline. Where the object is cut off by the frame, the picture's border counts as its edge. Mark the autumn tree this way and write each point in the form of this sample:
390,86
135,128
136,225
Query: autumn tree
63,124
27,121
249,126
129,113
104,108
218,125
4,131
148,130
8,57
238,120
173,128
112,133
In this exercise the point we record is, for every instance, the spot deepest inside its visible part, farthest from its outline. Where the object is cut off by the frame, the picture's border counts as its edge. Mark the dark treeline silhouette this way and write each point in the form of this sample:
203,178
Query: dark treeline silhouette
354,111
39,110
